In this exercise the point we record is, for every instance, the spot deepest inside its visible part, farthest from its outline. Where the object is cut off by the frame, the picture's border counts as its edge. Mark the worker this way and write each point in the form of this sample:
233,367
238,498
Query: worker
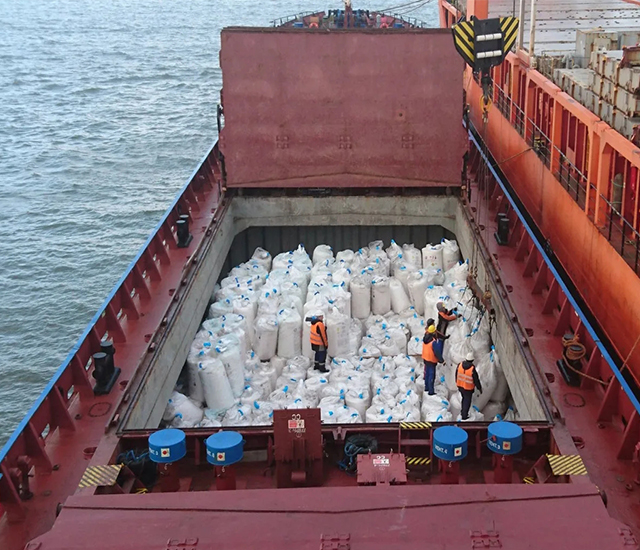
467,380
319,343
431,355
445,316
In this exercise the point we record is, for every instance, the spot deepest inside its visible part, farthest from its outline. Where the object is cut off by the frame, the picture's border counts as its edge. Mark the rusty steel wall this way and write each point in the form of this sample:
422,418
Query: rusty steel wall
363,108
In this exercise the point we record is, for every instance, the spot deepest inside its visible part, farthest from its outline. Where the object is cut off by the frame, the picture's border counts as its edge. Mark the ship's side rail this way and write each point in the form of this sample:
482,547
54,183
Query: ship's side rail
67,415
580,181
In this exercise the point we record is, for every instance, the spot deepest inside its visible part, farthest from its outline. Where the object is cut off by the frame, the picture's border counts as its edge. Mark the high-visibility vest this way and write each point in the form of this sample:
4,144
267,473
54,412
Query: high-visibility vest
318,334
427,352
465,378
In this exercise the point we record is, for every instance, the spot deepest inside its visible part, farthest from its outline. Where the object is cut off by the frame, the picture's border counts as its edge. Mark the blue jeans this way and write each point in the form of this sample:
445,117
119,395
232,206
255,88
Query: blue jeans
429,377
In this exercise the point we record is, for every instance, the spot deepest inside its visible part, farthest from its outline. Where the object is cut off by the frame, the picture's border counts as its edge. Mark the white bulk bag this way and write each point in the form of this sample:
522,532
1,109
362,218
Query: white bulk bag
195,385
186,413
278,363
457,274
261,256
345,257
175,400
402,271
380,296
399,299
229,352
218,309
359,400
321,253
417,284
360,297
338,327
432,256
266,339
412,255
432,296
394,250
289,333
342,277
450,254
243,305
242,415
414,347
494,408
489,380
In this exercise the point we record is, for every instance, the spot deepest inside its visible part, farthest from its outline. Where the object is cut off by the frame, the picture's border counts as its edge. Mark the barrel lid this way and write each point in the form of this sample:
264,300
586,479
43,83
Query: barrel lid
505,430
224,440
450,435
167,445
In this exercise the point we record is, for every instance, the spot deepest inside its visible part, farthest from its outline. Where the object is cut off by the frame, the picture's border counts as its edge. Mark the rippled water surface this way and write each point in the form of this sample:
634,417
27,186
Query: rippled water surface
105,110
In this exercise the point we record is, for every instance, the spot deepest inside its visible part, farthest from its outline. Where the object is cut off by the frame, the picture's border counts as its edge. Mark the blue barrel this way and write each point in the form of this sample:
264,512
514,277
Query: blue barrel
450,443
167,445
298,24
398,25
224,448
505,438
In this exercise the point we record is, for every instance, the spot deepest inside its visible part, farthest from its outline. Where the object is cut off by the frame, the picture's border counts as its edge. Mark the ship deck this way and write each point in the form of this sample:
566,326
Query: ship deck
557,21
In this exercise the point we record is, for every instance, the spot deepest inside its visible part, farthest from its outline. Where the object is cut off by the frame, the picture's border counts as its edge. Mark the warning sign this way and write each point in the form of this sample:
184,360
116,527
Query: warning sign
220,456
165,453
296,424
506,445
457,451
381,461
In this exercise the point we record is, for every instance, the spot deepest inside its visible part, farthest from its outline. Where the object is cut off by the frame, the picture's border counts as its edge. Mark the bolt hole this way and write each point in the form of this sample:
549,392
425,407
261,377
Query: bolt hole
88,452
550,377
123,384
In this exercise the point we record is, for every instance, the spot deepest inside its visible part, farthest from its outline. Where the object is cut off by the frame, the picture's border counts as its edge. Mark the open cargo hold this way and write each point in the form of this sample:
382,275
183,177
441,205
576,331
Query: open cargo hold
418,220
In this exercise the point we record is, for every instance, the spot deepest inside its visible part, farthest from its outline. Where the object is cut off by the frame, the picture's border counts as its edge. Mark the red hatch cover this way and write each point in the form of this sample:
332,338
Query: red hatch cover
437,517
354,108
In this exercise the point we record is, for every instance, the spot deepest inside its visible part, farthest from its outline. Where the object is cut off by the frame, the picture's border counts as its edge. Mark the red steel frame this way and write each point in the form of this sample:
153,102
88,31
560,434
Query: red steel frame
67,424
565,184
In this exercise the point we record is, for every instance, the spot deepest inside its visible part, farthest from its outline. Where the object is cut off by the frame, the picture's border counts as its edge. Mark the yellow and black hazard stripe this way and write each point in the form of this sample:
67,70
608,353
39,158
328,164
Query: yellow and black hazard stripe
464,37
415,425
567,465
100,476
509,26
528,480
418,460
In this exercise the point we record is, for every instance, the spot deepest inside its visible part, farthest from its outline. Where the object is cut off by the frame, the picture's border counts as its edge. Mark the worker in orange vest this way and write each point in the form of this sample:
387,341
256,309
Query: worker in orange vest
431,355
445,316
467,380
319,343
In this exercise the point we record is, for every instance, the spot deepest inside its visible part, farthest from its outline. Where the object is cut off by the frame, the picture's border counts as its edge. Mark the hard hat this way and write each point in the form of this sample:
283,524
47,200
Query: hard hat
470,356
431,329
440,306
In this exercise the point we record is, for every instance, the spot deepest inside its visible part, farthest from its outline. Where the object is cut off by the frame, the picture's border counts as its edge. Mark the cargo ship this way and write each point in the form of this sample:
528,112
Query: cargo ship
350,130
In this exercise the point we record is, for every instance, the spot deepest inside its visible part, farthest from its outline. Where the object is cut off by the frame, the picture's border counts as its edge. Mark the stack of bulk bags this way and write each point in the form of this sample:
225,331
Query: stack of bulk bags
253,355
